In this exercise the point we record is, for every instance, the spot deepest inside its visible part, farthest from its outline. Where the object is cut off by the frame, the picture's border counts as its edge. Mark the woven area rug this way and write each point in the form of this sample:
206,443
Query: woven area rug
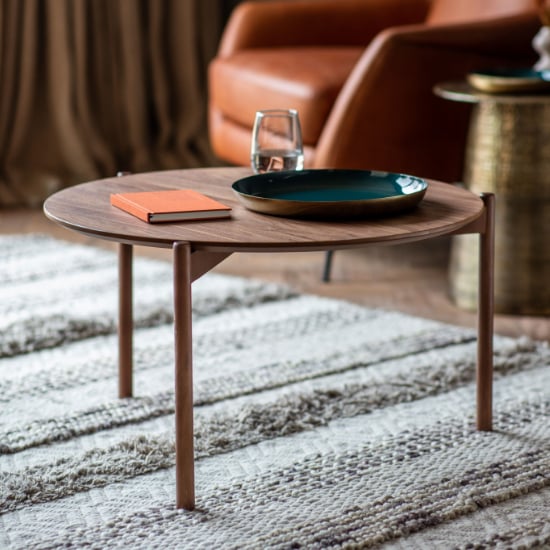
319,424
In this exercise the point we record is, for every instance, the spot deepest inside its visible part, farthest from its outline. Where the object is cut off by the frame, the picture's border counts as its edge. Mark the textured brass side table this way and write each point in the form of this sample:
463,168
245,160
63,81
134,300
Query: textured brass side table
508,154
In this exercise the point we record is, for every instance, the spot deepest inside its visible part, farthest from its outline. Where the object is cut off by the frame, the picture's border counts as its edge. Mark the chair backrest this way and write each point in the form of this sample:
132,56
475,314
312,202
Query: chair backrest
462,11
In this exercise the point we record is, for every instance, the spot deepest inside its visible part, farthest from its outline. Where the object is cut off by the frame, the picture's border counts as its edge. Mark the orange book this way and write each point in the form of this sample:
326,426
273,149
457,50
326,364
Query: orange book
169,206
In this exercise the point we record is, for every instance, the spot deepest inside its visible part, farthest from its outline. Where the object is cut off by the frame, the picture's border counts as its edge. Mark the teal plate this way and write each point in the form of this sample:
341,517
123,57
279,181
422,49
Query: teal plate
321,194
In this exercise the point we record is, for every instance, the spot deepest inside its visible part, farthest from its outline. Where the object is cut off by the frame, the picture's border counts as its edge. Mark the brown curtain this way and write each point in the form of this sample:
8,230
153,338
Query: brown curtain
91,87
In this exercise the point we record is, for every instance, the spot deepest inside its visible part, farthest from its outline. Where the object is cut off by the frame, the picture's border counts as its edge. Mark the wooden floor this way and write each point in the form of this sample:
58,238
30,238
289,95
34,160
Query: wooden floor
410,278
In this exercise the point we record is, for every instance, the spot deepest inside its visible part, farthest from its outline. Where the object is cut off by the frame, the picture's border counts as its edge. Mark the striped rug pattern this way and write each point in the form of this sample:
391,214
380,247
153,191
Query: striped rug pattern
318,423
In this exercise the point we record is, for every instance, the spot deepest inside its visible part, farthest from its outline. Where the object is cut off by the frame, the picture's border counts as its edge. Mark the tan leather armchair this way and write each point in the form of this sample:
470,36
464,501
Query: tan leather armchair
361,74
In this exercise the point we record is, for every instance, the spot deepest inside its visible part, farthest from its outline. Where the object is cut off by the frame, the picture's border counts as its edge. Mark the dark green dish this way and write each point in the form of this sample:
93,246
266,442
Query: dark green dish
341,194
510,80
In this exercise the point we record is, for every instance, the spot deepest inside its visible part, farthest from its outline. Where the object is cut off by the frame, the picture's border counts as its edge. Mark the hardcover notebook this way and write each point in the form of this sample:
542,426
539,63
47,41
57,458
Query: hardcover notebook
169,206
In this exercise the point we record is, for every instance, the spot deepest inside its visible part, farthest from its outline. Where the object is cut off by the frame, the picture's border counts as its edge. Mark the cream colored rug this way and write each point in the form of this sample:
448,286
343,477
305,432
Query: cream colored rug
319,424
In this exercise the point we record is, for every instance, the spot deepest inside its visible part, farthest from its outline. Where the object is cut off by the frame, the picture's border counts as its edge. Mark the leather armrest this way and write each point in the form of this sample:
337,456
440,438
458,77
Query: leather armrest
282,23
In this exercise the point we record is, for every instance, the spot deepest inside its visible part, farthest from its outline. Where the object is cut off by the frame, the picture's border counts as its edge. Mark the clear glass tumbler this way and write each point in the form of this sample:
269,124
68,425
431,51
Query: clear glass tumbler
276,141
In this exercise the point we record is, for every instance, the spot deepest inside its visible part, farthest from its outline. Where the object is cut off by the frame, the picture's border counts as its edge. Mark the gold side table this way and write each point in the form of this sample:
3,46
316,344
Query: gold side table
508,154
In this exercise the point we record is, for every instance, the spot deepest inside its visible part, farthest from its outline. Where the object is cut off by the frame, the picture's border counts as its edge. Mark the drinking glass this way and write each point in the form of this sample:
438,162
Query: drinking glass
276,141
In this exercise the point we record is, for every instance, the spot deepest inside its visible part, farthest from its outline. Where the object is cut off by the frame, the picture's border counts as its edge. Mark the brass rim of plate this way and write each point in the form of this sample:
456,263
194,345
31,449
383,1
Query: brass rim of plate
495,84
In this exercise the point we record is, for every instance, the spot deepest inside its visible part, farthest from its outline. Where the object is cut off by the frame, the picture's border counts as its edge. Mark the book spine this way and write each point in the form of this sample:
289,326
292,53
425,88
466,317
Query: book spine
130,207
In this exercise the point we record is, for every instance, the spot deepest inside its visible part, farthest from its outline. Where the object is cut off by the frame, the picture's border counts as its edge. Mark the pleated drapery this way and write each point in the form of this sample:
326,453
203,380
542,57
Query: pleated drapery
92,87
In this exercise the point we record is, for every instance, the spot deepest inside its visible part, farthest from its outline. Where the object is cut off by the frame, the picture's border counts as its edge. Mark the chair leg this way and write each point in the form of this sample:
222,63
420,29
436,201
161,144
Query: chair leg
328,265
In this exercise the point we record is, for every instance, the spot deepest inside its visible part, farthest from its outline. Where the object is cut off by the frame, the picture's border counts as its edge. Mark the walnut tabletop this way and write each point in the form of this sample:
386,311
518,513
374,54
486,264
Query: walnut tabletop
86,208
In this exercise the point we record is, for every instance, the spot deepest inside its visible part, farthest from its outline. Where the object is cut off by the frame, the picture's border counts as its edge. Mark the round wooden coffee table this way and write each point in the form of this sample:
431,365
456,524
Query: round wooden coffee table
199,246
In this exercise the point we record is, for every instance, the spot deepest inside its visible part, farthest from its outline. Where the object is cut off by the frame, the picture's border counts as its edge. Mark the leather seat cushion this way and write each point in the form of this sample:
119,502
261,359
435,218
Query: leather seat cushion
307,79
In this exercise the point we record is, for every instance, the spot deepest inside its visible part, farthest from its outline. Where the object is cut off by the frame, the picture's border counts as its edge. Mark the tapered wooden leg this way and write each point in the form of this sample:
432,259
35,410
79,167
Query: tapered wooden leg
485,318
125,320
185,460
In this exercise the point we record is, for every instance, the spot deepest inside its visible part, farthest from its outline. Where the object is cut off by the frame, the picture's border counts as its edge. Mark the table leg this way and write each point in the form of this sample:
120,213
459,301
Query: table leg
185,460
485,318
125,320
